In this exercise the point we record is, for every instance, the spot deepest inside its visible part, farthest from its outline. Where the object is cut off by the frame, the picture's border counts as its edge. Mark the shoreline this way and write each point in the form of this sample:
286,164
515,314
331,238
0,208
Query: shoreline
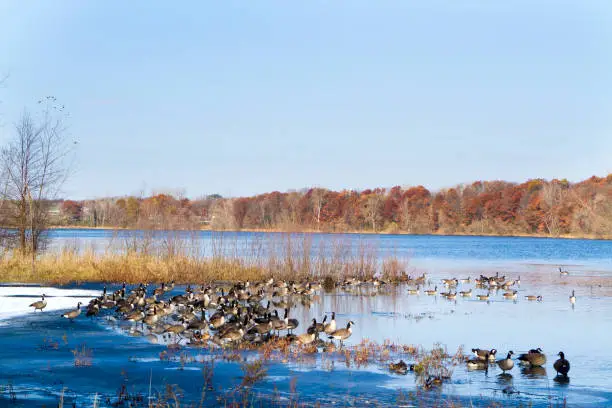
314,231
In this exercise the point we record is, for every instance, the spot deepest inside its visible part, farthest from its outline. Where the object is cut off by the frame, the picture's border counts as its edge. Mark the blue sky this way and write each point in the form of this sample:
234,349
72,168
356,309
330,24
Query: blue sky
244,97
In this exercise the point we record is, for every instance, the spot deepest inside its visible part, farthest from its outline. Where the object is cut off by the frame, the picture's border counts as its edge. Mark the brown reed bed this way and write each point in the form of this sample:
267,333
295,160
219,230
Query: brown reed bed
142,259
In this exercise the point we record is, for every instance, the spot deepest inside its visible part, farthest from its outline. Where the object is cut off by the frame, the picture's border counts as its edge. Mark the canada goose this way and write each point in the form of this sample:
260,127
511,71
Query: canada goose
562,366
306,338
177,329
506,364
291,323
200,338
161,290
399,368
232,336
135,316
450,282
466,293
482,354
318,327
261,328
152,318
483,297
563,272
73,314
477,364
39,305
533,358
431,292
217,320
93,309
445,294
452,296
534,297
511,295
465,280
414,291
572,298
342,334
330,327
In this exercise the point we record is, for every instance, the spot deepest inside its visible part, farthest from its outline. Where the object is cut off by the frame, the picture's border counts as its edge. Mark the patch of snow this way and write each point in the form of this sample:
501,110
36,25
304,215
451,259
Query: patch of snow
277,378
16,300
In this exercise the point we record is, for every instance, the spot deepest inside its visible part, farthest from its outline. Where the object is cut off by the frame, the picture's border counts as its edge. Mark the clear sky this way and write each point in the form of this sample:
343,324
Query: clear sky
245,97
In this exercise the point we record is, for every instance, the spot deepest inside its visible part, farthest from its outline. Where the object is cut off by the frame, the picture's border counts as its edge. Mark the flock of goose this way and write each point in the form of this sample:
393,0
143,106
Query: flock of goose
490,285
220,313
533,358
234,313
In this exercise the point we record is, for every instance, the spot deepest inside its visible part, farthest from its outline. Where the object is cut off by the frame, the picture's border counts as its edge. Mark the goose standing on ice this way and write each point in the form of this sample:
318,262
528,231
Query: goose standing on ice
506,364
342,334
40,305
562,366
73,314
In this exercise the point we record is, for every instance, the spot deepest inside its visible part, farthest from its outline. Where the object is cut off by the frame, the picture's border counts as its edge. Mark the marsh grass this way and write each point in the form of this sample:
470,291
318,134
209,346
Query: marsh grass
253,372
148,258
83,356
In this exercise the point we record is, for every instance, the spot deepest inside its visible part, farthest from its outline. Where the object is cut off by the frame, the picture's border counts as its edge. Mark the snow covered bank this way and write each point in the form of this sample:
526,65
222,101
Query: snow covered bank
15,300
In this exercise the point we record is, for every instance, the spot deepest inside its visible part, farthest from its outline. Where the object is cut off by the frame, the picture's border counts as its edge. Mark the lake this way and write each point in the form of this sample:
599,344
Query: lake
37,359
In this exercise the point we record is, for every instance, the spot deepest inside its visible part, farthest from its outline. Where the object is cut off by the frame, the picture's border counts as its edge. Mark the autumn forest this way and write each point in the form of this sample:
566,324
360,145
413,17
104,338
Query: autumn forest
538,207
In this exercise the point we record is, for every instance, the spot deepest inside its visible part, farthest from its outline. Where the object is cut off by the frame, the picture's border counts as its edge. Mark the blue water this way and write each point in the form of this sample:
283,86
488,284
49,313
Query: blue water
420,248
36,376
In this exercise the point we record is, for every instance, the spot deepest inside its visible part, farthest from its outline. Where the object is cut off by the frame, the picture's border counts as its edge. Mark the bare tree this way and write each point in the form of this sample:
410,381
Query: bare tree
553,196
318,201
34,168
372,208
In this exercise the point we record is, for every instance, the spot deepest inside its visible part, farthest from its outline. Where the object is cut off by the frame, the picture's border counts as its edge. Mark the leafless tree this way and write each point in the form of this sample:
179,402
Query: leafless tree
372,208
34,168
318,201
553,196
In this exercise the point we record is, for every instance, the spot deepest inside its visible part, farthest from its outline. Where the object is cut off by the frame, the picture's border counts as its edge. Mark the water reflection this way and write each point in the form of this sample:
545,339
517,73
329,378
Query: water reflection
533,372
505,380
562,380
388,312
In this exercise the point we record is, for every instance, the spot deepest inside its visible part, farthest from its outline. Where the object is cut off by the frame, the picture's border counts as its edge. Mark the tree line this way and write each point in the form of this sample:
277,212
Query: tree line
555,208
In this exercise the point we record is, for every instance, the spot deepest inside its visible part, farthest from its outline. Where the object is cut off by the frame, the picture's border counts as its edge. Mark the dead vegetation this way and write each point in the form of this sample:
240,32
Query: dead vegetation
166,258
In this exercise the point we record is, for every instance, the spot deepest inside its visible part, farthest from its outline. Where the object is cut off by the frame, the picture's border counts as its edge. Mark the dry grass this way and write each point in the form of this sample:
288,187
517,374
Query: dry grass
69,266
143,259
83,356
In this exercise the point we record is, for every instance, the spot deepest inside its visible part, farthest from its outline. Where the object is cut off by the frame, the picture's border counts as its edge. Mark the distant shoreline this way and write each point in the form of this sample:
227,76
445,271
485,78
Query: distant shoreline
312,231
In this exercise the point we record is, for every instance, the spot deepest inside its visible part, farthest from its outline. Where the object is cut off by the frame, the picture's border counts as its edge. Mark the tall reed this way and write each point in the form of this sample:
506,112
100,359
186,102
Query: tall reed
187,257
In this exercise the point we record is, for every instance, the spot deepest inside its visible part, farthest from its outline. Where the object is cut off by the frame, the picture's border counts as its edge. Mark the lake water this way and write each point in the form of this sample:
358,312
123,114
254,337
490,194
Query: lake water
34,372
